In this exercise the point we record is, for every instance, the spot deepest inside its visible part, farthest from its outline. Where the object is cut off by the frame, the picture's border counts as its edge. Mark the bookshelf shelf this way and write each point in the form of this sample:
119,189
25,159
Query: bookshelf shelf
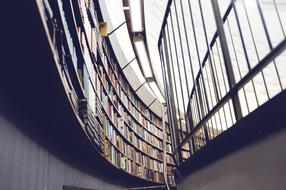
121,127
105,49
128,140
126,107
126,123
109,62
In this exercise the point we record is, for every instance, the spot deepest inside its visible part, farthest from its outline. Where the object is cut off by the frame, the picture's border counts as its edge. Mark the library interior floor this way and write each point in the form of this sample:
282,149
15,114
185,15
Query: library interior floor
143,94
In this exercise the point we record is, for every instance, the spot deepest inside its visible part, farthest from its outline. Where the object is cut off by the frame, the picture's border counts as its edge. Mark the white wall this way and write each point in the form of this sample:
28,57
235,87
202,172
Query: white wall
261,166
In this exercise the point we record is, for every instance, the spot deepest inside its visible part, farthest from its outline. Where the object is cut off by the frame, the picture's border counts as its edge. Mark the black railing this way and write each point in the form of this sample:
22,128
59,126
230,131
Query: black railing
243,65
65,50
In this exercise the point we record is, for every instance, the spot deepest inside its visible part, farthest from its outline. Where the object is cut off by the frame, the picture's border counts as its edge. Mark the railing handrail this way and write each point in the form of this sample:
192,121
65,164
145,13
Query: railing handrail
166,14
200,117
214,38
262,64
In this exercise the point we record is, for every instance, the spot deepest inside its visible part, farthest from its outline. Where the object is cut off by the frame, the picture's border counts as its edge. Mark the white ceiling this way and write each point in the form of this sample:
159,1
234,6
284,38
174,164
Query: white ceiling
154,13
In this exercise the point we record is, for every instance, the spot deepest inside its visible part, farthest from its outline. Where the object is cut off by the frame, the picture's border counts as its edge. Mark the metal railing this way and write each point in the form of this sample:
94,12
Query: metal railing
243,66
67,58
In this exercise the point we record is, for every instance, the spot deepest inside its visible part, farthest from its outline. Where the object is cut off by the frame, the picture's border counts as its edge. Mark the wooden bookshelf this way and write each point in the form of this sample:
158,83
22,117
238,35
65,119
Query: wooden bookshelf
123,129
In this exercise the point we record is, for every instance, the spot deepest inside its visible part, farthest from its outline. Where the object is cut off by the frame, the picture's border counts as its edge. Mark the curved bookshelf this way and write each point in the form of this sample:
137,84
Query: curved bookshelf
121,127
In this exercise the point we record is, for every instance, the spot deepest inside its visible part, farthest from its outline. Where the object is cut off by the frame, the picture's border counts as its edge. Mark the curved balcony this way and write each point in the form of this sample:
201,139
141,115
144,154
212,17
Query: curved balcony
119,125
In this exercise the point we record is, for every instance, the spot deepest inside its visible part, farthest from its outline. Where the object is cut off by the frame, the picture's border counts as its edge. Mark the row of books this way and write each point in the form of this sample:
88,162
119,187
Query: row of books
169,159
123,162
126,93
120,123
120,140
171,179
113,107
185,154
151,134
168,148
136,138
124,110
127,123
168,138
169,169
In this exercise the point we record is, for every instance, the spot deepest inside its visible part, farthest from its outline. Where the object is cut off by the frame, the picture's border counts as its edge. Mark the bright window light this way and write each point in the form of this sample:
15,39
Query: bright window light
250,3
156,91
143,57
136,15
